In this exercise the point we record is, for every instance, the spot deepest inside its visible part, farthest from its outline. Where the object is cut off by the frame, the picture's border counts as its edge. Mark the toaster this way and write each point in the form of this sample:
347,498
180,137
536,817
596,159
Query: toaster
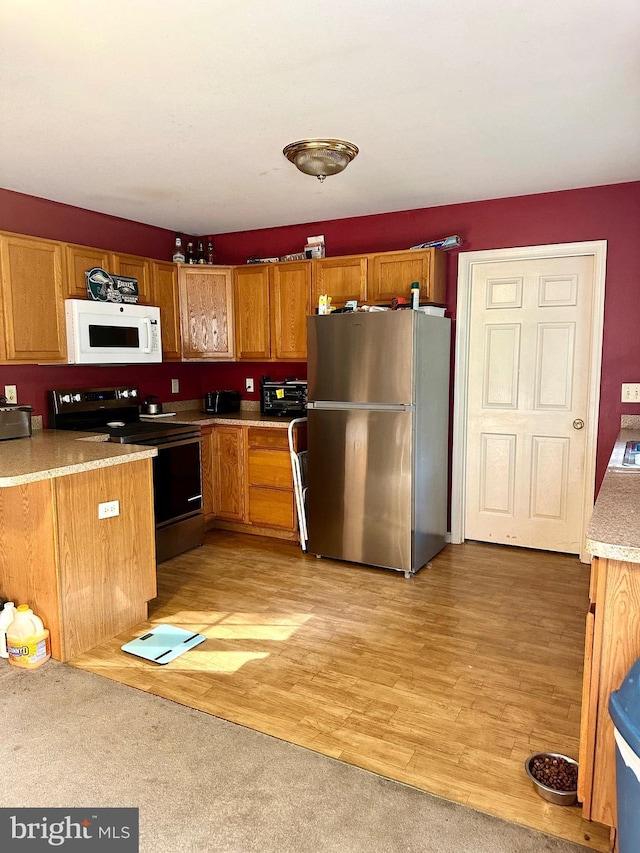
221,402
15,421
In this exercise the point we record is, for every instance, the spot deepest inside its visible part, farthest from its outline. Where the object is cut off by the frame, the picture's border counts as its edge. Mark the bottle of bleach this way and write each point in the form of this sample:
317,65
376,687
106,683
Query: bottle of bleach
27,639
6,618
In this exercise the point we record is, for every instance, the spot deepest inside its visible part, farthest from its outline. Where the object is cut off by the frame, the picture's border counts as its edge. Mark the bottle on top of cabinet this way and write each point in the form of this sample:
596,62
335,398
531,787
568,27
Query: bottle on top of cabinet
191,258
201,257
178,252
211,256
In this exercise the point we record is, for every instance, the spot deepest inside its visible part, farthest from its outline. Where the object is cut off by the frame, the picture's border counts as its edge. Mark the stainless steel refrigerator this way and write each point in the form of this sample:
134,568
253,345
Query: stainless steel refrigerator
378,415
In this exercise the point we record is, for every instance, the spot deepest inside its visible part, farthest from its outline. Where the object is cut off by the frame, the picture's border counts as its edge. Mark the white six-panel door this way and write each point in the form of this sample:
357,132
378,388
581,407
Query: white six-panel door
529,351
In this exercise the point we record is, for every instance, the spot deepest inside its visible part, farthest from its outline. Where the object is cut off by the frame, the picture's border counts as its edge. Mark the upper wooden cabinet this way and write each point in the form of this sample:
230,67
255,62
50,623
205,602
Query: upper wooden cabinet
164,294
272,302
252,312
290,295
392,273
132,266
32,300
377,278
79,259
343,279
206,313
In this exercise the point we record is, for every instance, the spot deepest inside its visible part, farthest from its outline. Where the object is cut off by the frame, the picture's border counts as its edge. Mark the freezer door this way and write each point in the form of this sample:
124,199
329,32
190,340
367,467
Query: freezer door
362,357
360,490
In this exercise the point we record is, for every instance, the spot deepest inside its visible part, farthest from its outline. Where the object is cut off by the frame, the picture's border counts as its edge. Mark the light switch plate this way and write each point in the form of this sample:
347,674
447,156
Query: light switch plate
631,392
175,386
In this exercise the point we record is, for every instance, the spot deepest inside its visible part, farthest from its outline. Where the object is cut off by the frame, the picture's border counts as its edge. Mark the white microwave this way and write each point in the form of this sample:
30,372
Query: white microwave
112,333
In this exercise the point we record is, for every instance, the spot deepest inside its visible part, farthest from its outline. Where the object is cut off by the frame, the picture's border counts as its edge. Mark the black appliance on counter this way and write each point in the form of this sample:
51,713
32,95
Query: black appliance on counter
287,398
177,471
222,402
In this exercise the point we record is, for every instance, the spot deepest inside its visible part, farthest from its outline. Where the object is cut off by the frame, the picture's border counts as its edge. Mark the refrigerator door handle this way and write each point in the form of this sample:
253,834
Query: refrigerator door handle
330,405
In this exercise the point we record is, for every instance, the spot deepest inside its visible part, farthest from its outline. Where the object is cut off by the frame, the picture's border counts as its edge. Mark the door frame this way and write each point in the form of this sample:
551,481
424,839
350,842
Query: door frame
466,262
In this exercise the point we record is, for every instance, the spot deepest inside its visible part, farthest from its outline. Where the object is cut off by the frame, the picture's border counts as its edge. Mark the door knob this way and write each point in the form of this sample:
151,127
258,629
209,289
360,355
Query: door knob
578,423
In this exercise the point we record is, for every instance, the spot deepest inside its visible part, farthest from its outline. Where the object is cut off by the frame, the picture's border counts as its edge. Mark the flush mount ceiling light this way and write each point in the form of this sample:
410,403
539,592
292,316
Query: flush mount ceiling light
320,157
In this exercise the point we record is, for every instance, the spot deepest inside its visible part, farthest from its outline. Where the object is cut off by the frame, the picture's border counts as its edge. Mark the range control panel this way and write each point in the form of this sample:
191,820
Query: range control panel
88,399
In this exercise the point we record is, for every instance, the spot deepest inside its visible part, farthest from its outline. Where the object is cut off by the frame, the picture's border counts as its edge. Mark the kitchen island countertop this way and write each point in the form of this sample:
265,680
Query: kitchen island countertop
614,529
56,453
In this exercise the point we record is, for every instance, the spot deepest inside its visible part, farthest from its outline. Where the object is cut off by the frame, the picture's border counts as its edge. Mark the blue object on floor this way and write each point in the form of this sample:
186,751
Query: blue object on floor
624,710
163,644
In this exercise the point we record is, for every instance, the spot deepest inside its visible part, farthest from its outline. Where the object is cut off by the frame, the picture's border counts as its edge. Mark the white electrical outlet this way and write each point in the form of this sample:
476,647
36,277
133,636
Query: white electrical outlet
631,392
248,385
11,393
175,386
108,509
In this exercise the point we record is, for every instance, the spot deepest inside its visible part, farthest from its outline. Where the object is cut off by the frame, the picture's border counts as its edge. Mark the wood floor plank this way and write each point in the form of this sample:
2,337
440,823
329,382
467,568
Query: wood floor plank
446,681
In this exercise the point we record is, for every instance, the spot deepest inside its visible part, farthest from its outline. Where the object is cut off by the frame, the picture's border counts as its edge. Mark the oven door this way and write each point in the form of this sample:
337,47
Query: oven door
177,480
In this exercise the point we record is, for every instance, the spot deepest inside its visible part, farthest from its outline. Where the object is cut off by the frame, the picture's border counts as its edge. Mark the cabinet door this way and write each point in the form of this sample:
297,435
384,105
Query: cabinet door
79,260
251,294
32,283
269,479
391,274
290,306
229,472
164,294
206,313
340,278
207,458
134,267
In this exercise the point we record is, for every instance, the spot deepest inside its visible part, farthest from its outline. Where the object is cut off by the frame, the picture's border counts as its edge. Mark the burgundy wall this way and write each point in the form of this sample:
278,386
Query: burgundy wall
609,213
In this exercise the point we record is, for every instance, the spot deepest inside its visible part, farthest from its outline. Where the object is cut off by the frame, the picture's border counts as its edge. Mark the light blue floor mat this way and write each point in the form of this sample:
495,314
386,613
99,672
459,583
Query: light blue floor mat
163,644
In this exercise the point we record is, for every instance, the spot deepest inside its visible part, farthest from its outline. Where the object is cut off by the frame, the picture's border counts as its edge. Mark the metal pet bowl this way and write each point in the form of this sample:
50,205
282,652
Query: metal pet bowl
559,798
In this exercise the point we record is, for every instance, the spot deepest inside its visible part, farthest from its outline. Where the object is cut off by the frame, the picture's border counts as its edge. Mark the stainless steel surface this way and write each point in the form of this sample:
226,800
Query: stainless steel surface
361,358
578,423
378,459
15,421
151,408
359,472
559,798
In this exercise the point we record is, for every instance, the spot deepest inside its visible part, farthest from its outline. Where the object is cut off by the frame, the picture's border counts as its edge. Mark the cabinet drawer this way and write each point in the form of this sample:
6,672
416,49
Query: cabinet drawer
268,438
270,468
271,508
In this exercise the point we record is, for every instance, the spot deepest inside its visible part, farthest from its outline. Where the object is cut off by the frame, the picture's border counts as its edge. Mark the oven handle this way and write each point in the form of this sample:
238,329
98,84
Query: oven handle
176,442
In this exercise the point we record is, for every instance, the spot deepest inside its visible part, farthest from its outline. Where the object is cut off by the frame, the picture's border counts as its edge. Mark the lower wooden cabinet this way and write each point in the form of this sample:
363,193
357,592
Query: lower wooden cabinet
612,646
247,479
87,578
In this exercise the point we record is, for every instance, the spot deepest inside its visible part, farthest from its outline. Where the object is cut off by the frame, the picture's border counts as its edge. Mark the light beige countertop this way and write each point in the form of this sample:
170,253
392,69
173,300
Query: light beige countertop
241,418
614,528
56,453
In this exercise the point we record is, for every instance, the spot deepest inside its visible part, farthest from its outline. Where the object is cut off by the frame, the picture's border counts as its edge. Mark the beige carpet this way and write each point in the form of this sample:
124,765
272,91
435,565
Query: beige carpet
71,738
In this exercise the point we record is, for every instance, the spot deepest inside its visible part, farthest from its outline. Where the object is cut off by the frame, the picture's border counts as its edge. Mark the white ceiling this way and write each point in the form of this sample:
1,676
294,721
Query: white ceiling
176,113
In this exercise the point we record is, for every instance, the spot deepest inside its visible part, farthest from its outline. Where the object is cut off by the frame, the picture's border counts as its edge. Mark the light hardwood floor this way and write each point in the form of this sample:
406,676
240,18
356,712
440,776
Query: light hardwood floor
446,681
